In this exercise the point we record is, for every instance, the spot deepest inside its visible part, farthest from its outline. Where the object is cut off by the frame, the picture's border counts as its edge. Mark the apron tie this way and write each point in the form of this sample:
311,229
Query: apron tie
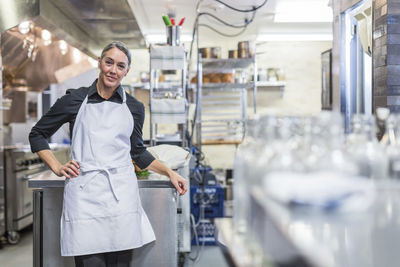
96,170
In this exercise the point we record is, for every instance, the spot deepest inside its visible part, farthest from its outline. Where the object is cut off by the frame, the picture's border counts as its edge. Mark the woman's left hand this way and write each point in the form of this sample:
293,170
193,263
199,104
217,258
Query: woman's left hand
179,182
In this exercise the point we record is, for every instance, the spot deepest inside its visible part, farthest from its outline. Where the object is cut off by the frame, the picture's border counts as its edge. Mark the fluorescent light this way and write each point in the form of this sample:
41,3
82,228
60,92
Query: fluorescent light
298,11
294,37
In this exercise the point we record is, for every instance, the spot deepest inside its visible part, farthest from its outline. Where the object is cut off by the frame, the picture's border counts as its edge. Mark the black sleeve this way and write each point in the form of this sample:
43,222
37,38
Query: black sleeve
139,154
58,114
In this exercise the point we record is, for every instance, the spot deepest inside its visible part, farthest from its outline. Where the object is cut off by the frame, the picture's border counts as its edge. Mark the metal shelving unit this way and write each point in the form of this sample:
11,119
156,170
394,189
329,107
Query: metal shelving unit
222,107
167,100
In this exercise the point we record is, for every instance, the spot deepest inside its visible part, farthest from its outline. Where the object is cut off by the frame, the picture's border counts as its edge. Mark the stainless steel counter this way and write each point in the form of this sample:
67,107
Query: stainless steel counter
159,200
49,180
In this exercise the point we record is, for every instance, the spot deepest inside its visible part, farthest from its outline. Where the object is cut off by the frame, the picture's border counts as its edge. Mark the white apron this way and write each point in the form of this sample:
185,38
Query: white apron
102,211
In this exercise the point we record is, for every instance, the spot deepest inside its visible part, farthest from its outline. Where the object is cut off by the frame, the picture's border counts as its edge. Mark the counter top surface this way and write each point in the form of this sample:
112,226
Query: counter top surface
282,234
360,238
48,179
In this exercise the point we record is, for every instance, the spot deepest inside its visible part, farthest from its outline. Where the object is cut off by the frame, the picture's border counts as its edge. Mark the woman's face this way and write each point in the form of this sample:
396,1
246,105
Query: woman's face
113,67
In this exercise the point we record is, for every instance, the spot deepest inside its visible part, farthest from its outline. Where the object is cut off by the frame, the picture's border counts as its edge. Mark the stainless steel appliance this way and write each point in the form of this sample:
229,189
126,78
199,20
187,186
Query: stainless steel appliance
20,166
326,94
2,200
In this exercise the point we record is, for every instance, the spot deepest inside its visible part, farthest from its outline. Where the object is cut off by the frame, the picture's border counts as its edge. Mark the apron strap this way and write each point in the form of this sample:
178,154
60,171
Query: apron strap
96,170
108,175
123,96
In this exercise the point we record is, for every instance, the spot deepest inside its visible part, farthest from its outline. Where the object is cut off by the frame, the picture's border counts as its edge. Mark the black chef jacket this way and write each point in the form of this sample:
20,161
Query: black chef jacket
66,108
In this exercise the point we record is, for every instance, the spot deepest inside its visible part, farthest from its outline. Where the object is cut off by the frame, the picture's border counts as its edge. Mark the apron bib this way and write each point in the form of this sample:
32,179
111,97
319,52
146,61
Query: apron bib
102,211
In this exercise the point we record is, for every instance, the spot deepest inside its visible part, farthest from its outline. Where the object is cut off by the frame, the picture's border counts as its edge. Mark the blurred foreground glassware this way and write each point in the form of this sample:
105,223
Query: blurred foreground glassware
364,147
391,139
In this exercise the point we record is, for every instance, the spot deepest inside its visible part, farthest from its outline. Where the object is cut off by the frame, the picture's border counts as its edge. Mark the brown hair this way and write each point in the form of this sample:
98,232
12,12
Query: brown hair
121,46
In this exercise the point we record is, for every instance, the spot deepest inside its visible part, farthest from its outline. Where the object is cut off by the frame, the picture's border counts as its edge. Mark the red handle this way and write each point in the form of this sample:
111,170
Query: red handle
181,22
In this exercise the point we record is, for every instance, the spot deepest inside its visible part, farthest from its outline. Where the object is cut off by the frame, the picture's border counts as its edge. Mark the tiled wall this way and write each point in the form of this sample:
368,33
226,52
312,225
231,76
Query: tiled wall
382,71
387,54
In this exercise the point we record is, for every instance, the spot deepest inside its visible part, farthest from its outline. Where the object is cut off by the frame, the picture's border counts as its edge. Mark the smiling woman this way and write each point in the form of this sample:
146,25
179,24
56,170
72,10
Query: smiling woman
114,65
103,219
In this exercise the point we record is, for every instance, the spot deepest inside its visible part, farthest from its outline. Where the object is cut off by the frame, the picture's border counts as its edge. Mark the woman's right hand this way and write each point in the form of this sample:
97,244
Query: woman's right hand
69,169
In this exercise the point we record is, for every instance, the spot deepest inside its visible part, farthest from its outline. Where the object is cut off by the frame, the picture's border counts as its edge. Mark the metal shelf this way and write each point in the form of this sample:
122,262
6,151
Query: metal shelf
226,86
227,64
223,106
167,58
270,84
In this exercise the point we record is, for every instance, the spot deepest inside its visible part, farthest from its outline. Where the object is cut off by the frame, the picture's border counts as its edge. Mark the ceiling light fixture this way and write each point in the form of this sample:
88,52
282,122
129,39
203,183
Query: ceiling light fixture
298,11
46,36
63,47
24,27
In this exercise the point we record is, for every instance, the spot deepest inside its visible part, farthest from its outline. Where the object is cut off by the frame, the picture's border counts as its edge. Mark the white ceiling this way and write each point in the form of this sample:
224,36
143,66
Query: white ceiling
306,17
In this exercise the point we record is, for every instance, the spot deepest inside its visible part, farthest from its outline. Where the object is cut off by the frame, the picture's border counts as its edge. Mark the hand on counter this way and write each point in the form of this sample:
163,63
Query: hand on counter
69,169
179,182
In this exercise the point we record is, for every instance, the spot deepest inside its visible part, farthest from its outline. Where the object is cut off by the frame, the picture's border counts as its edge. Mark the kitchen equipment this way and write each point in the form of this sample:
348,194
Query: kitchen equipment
205,52
181,21
2,195
160,202
232,54
163,58
228,189
246,49
326,75
272,75
210,52
18,110
174,35
20,165
262,74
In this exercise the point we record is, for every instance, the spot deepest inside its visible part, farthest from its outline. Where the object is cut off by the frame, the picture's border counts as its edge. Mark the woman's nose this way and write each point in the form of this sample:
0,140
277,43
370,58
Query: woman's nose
114,68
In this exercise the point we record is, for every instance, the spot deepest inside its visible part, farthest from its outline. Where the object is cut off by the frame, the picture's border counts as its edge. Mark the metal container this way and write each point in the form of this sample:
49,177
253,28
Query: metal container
174,35
233,54
210,52
326,78
2,182
246,49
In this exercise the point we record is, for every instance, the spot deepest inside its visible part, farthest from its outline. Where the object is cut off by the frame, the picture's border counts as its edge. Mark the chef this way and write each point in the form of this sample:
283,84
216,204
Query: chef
102,218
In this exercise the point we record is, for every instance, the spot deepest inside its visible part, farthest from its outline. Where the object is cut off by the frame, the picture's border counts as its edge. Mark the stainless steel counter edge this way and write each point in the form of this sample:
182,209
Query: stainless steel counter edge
49,180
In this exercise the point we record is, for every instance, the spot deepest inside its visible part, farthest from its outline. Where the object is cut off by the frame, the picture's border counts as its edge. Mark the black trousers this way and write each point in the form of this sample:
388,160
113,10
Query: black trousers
109,259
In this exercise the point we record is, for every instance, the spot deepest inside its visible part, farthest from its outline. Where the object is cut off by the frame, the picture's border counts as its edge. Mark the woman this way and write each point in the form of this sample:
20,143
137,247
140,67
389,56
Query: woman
102,217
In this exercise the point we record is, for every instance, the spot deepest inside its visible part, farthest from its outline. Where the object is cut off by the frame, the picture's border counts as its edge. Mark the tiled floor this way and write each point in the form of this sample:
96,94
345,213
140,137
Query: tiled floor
21,255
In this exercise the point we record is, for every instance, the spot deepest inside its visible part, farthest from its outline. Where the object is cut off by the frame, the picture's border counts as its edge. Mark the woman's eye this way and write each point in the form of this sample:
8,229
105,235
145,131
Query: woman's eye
121,67
108,62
